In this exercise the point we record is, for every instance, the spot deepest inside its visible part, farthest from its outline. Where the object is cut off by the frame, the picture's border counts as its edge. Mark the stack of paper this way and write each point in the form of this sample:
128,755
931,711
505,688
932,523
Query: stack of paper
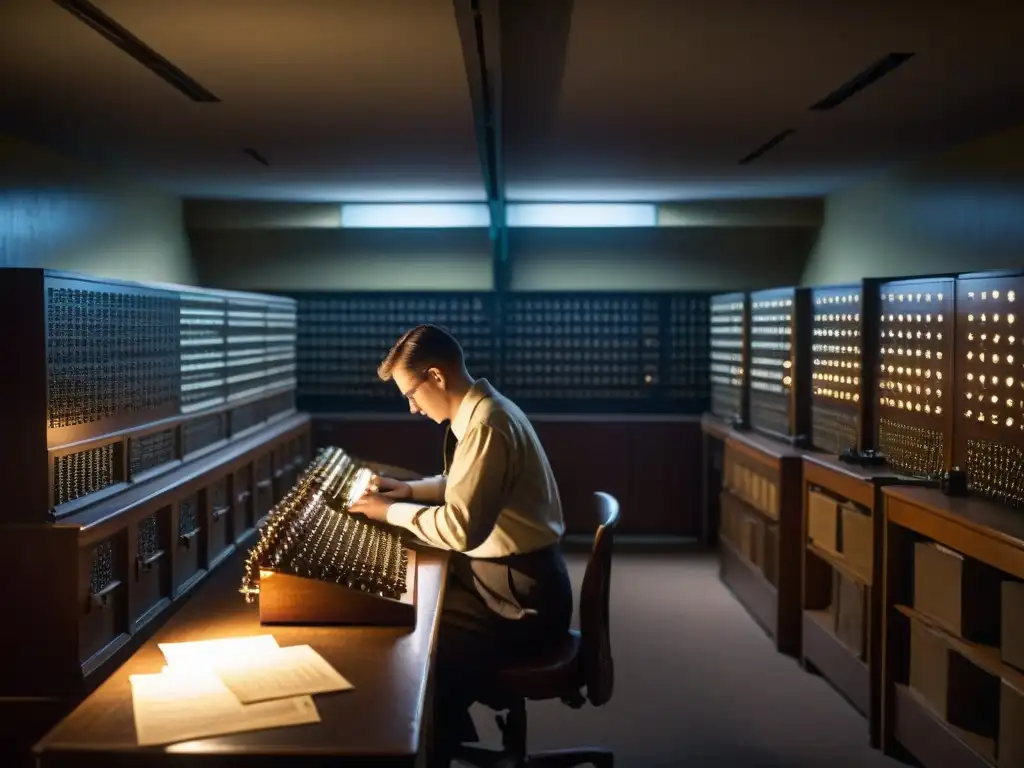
217,687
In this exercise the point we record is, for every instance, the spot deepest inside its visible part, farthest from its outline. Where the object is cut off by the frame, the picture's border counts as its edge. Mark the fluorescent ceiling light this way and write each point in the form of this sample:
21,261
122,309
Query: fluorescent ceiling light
414,215
582,215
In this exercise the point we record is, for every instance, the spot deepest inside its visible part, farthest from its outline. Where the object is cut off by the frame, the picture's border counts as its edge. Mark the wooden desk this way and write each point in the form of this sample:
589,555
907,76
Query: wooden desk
380,722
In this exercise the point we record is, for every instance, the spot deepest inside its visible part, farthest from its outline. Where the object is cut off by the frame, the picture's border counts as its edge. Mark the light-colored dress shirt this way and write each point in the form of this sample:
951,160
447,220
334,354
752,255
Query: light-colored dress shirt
500,497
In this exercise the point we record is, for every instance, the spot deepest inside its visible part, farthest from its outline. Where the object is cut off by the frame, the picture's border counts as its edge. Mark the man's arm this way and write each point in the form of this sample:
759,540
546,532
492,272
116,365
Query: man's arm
473,497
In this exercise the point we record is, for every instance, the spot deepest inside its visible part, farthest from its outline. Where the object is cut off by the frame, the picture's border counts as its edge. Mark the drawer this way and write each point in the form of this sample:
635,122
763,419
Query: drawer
757,488
189,559
962,594
281,461
220,518
243,502
963,694
822,520
1010,753
264,486
1012,627
857,535
850,608
150,545
104,597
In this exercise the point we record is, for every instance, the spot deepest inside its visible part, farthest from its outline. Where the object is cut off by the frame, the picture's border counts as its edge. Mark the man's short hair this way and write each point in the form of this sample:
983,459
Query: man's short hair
421,348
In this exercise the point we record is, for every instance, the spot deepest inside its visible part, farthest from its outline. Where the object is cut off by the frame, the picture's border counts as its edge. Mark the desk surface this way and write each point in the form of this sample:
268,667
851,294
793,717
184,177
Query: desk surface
758,446
881,474
382,717
989,518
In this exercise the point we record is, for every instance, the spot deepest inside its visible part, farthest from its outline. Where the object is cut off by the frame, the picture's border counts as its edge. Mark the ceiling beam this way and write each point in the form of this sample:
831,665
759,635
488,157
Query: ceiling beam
479,23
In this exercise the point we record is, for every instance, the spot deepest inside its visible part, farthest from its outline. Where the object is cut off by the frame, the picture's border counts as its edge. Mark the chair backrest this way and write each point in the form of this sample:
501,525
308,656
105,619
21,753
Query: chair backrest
595,642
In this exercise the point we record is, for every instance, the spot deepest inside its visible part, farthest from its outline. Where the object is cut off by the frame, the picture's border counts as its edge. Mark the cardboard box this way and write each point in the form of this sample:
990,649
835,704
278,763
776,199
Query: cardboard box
1010,750
756,489
850,609
1011,643
959,593
760,492
961,693
857,541
749,480
823,520
737,479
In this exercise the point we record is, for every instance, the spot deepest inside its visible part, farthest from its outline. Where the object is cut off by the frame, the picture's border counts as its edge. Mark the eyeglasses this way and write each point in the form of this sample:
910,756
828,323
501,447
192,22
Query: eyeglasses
412,392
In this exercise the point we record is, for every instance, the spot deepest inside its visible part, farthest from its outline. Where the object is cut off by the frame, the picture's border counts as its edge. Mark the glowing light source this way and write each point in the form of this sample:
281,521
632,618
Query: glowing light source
360,483
414,215
582,215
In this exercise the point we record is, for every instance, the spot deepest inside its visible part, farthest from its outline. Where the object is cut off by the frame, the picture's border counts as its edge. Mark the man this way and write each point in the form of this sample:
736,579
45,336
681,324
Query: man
497,509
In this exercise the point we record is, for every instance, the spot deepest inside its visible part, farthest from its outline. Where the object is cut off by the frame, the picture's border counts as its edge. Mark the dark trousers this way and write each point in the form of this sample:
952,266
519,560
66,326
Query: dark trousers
495,612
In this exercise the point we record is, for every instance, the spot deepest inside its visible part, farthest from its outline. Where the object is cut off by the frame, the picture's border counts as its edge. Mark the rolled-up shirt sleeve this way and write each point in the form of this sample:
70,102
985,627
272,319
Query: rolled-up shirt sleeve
474,495
429,490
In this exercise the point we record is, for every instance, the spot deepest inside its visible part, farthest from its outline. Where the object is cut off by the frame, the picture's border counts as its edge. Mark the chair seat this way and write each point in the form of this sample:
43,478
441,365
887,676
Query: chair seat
551,675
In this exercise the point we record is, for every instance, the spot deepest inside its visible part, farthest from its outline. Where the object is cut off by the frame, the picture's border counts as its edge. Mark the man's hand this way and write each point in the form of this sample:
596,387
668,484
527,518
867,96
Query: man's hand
372,504
393,489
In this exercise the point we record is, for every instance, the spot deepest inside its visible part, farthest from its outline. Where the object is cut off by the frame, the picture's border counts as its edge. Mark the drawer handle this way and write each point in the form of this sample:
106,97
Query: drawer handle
146,563
264,484
186,538
219,512
280,473
102,598
243,496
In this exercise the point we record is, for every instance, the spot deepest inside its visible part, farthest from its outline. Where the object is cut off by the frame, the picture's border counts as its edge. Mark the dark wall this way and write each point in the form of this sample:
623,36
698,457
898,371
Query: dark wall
60,214
962,211
691,258
650,465
343,259
699,247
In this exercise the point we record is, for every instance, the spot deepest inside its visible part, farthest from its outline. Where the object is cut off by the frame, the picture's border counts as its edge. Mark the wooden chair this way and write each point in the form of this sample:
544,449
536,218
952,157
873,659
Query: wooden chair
584,661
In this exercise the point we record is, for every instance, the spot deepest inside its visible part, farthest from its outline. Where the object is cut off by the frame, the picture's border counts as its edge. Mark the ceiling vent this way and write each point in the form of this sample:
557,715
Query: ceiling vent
869,76
92,16
773,142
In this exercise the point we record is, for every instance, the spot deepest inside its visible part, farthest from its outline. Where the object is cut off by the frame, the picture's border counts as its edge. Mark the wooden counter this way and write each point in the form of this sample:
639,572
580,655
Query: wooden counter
763,570
380,722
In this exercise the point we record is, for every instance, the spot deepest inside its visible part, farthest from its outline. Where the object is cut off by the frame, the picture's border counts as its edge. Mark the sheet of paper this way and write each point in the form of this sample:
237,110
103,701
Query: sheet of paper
206,654
293,671
170,707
